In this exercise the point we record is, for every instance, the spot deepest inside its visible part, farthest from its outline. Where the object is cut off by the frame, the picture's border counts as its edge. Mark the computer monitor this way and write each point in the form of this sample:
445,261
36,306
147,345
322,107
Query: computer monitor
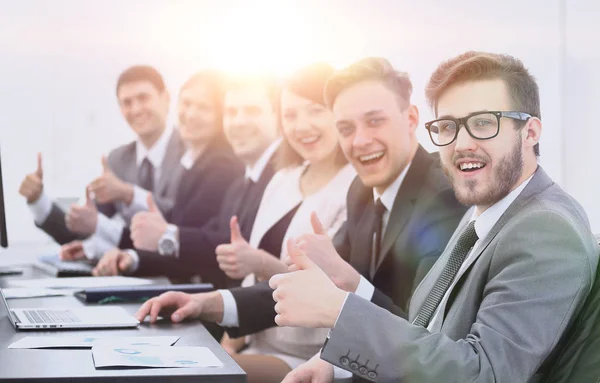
3,231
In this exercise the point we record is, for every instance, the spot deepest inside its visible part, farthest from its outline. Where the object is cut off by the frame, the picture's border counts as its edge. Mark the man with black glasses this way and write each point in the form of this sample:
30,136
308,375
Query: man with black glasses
513,276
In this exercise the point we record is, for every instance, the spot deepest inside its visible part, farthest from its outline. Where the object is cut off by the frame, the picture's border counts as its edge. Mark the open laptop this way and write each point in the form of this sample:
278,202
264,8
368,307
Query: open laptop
69,318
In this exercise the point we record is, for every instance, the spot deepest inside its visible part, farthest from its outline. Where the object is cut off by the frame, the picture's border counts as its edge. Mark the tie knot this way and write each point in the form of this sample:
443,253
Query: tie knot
468,237
379,207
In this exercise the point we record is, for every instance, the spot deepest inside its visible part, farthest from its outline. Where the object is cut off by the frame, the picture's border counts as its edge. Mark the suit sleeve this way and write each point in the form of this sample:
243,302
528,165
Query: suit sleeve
55,226
256,309
539,275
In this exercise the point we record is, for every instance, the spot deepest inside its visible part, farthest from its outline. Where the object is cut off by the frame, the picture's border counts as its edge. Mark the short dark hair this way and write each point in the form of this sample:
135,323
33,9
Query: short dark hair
141,73
371,68
473,66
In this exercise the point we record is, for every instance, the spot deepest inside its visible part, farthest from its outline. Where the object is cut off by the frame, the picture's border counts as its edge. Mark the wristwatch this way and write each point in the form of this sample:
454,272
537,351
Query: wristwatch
168,244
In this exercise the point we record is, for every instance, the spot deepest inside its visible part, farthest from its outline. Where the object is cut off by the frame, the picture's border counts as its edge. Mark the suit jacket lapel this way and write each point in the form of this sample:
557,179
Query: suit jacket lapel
171,170
404,202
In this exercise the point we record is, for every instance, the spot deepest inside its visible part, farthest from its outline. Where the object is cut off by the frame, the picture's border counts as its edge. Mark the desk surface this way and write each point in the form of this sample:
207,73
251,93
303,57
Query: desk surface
59,365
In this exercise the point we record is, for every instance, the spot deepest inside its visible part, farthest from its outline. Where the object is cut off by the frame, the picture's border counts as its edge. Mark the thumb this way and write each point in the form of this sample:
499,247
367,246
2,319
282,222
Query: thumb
183,312
236,233
316,224
151,204
299,257
40,170
124,262
105,167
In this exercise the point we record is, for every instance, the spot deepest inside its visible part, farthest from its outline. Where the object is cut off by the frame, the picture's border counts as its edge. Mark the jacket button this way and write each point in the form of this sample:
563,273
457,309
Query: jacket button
354,366
363,370
372,375
344,361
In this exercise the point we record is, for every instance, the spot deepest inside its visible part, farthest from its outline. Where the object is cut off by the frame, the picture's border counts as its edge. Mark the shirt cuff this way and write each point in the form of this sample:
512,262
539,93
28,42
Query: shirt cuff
230,312
94,247
41,208
135,261
340,373
109,230
365,289
138,203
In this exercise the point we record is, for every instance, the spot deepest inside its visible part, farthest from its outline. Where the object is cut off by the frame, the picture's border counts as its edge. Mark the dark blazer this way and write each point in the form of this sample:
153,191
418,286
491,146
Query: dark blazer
202,189
197,244
422,220
122,162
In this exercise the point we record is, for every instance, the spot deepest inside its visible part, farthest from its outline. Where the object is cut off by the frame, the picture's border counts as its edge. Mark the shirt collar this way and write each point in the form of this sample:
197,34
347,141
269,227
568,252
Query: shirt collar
188,159
255,171
389,194
156,153
487,219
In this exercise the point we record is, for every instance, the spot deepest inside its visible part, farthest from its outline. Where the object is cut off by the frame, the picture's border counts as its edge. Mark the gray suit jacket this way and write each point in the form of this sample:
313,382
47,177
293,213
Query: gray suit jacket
122,161
505,315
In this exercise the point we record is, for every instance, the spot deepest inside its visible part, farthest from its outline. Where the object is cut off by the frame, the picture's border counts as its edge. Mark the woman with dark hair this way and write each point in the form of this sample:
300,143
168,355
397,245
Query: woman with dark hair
313,176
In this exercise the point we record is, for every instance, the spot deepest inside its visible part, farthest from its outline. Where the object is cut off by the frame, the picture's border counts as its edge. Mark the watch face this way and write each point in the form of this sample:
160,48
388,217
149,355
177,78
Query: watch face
167,246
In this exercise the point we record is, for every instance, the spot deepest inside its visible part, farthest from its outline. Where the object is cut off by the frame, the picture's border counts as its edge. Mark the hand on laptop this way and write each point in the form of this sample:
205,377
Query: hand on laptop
82,219
109,188
313,370
72,251
206,306
319,248
148,227
33,184
113,262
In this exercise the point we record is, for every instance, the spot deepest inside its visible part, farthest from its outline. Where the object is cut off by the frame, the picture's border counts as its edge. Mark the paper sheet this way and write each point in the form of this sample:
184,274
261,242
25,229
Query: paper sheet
79,282
89,342
23,292
158,356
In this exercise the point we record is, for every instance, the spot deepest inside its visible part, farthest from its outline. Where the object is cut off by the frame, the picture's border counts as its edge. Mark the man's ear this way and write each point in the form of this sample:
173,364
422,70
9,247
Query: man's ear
532,132
413,118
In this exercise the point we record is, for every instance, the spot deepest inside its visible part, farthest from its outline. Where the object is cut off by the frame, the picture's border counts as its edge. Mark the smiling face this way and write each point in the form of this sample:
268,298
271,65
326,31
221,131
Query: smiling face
308,127
482,172
144,107
376,133
198,117
249,121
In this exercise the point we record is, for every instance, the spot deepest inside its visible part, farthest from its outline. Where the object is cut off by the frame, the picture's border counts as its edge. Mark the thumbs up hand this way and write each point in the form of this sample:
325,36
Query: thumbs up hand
148,227
33,184
82,219
237,258
109,188
306,297
320,249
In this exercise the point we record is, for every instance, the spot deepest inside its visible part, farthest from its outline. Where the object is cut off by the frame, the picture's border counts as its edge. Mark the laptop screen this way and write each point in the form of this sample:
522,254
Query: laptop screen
3,235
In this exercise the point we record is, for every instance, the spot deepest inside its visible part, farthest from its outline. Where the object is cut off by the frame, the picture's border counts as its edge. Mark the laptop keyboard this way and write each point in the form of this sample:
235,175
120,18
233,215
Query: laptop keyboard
51,316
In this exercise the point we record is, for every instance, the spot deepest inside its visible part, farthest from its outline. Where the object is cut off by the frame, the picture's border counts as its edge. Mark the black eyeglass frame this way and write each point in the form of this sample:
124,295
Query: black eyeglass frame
520,116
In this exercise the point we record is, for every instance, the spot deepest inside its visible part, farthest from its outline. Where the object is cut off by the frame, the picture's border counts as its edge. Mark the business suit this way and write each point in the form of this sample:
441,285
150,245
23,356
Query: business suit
201,192
424,216
514,298
197,244
122,162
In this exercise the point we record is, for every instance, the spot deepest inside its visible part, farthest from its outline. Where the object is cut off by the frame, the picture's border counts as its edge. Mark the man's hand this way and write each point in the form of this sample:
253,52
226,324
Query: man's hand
32,186
82,219
113,262
319,248
147,227
307,297
315,370
238,259
109,188
72,251
206,306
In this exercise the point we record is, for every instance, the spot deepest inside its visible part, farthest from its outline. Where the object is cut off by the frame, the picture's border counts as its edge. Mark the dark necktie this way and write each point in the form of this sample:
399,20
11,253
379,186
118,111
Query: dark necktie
146,175
464,244
378,231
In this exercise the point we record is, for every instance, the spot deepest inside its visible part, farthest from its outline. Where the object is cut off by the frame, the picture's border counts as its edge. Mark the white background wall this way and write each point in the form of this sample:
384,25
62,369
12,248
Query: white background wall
59,61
